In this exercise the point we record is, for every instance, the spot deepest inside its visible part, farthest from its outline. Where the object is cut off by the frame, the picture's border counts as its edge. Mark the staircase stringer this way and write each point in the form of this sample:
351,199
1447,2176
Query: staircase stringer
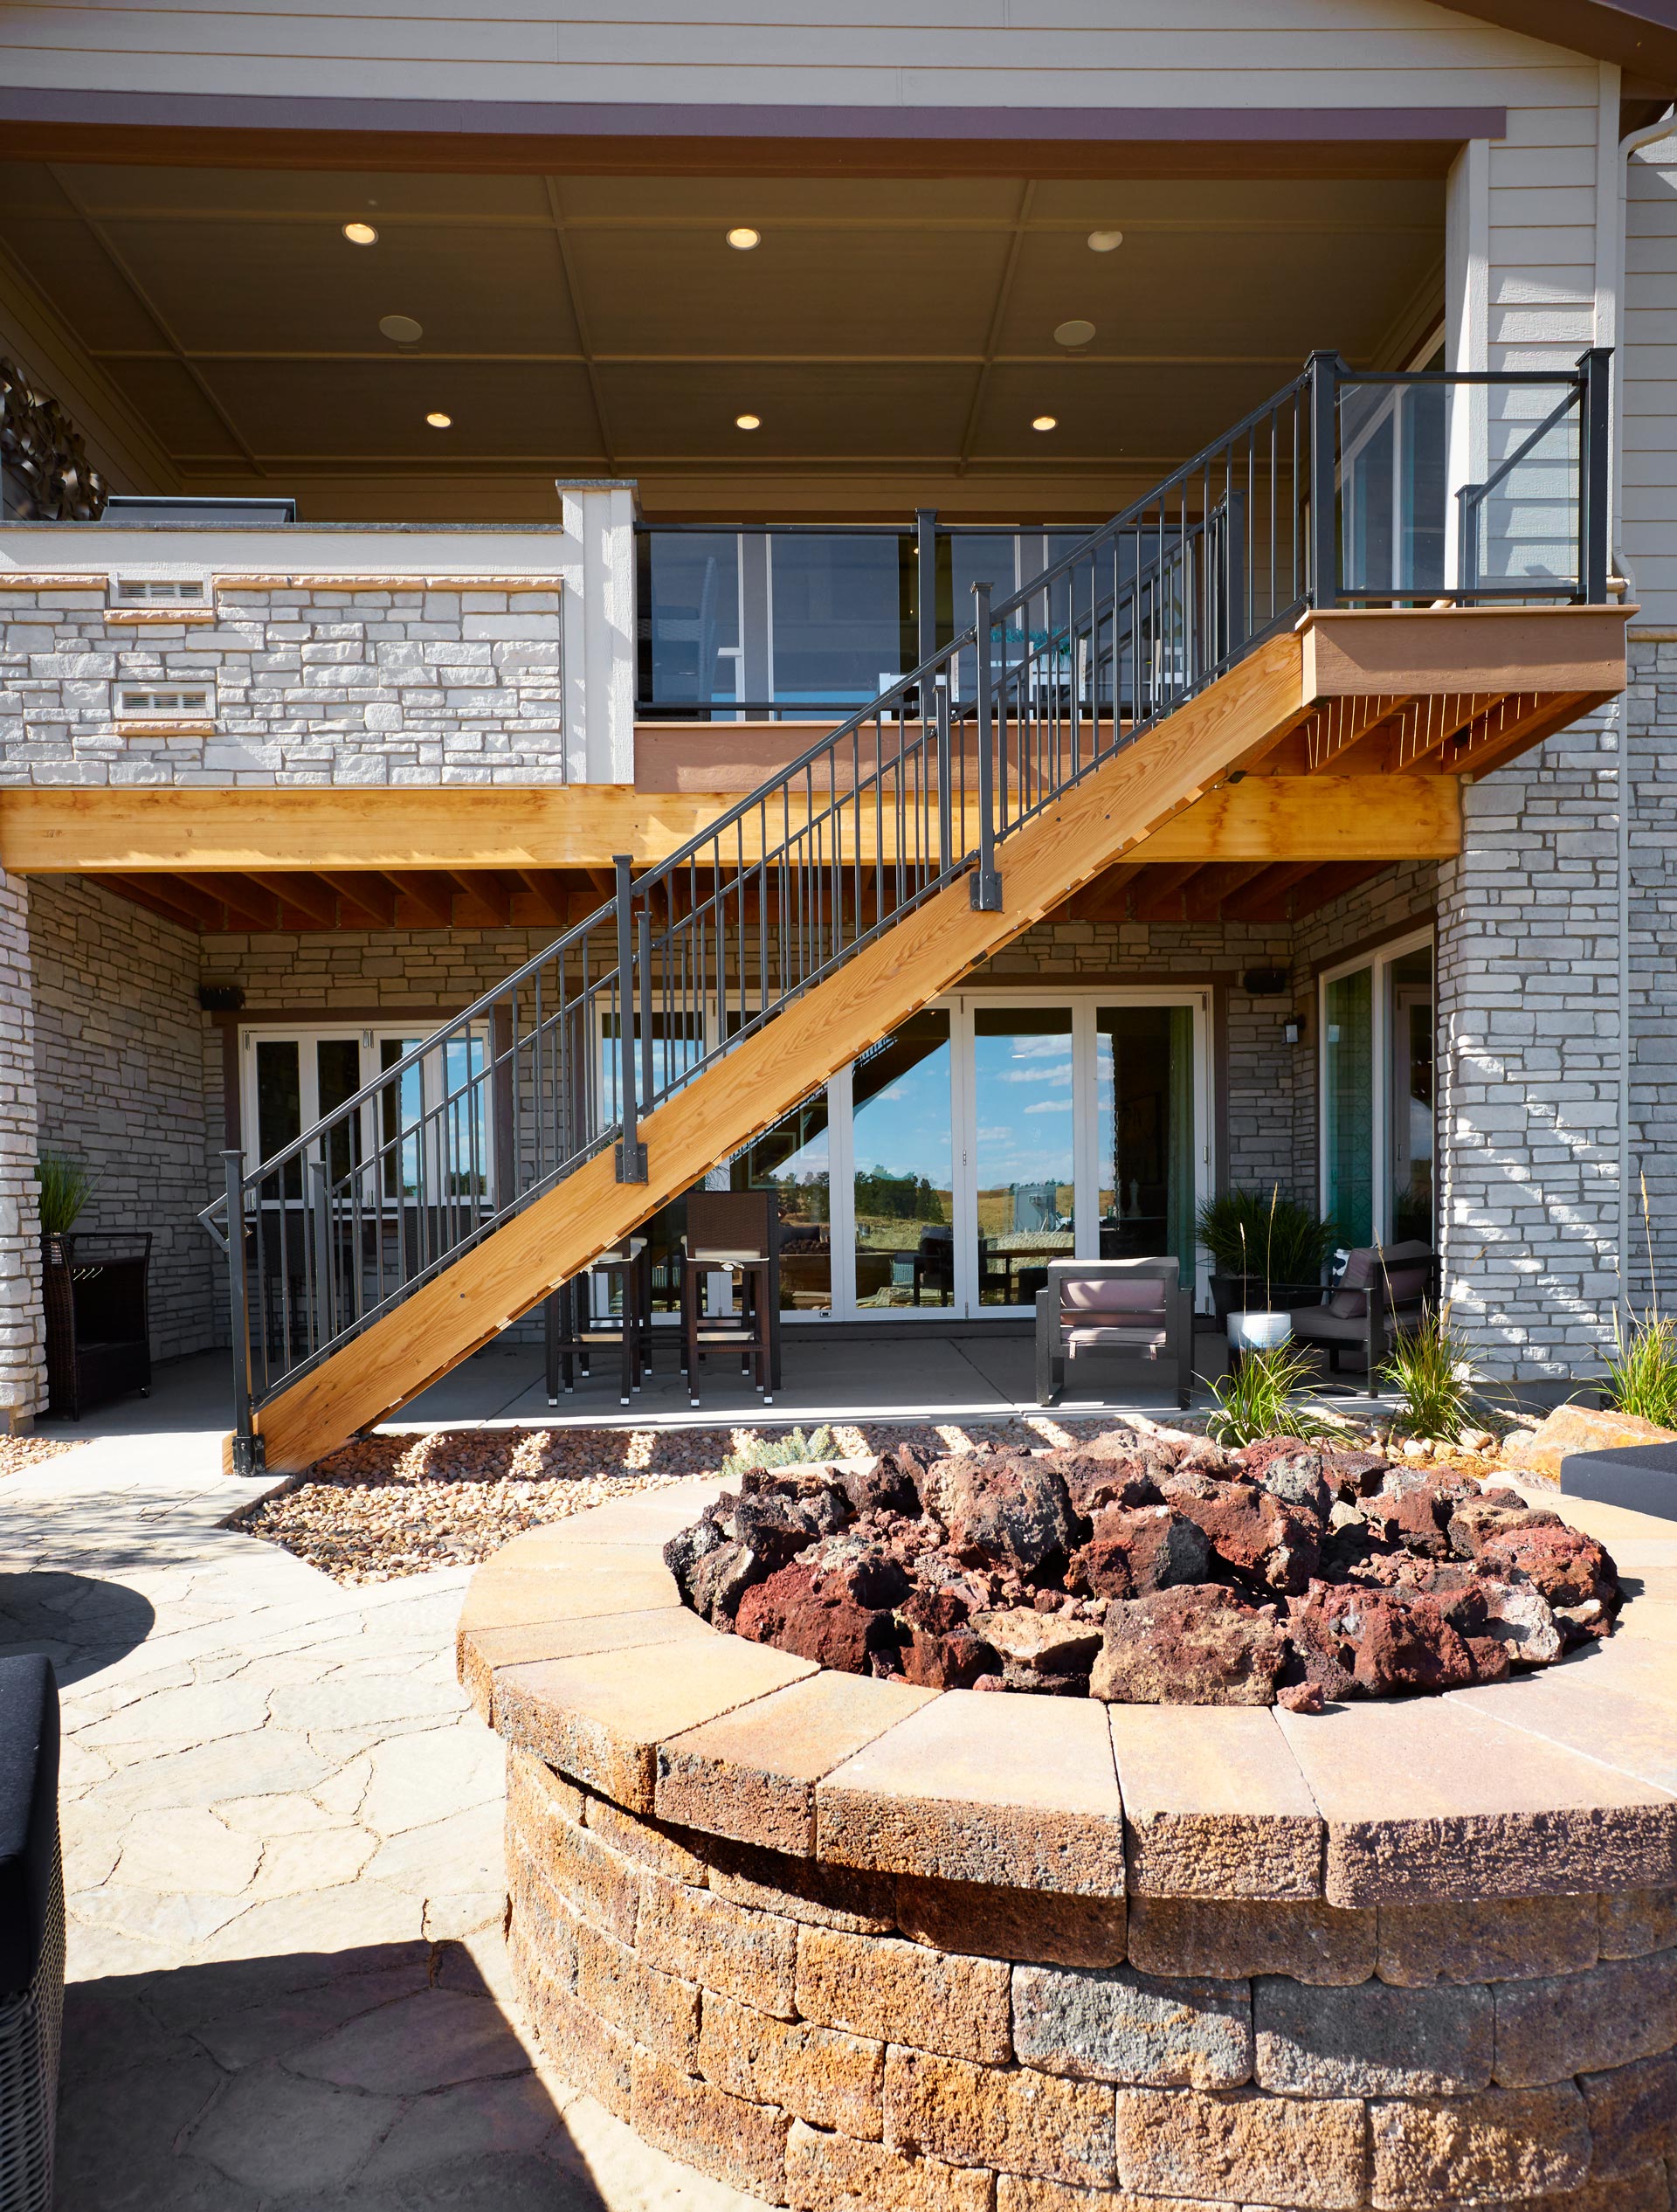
919,957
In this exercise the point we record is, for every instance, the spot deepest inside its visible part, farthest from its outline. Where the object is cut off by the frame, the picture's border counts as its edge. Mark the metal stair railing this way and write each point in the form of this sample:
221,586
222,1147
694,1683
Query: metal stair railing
926,783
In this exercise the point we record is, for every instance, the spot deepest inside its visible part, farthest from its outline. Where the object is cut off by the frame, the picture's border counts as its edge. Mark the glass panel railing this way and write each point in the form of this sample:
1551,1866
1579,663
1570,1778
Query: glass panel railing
1460,487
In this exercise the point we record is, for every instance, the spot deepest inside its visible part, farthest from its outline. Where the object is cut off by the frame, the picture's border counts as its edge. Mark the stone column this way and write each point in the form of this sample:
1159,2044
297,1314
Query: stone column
1529,1068
22,1373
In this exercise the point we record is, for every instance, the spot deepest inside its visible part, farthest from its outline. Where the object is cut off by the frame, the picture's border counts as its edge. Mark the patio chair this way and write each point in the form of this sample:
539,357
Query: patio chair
736,1234
32,1931
1382,1291
1126,1309
573,1319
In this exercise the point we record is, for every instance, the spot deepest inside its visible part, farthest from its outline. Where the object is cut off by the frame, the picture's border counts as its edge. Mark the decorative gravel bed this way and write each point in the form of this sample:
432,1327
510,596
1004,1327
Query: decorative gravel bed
389,1505
18,1452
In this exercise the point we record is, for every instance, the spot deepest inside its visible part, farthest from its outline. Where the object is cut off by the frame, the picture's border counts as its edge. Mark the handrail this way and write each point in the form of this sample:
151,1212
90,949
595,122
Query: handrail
928,782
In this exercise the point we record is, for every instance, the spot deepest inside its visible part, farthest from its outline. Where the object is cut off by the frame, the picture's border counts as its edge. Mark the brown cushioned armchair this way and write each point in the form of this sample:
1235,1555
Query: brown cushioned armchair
1125,1308
1380,1292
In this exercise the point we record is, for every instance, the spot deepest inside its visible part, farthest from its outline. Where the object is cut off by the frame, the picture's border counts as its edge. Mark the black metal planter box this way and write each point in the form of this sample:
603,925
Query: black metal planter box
98,1328
1642,1477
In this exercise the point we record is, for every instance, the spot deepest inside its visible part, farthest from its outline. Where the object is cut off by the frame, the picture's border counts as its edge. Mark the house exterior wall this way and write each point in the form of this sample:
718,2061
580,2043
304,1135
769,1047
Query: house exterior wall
357,656
1648,385
950,53
119,1062
1651,894
23,1391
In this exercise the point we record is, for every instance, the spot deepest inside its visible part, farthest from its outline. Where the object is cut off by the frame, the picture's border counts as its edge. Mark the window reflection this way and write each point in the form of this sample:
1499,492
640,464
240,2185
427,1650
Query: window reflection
1144,1123
1023,1114
903,1198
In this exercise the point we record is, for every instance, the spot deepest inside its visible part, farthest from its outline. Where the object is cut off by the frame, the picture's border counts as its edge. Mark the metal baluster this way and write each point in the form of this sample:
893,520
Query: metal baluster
986,883
247,1445
632,1153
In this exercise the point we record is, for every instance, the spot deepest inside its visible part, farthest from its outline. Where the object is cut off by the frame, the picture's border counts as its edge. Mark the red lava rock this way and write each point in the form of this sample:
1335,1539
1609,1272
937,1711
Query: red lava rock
1148,1571
1149,1547
1417,1518
1570,1569
1010,1511
1257,1535
832,1607
1195,1645
1384,1640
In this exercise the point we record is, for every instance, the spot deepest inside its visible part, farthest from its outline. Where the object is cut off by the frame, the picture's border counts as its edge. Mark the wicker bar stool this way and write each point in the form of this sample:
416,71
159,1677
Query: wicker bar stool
571,1326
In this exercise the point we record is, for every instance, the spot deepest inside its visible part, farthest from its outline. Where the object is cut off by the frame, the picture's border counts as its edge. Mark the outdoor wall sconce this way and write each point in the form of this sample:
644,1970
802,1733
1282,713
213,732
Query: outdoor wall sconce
1293,1030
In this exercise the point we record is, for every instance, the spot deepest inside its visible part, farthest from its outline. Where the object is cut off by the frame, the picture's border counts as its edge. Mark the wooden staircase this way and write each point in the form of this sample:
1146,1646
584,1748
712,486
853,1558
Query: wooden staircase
972,800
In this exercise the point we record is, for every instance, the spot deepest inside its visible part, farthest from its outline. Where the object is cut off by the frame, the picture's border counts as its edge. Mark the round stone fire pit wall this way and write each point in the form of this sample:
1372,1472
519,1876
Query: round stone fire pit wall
844,1944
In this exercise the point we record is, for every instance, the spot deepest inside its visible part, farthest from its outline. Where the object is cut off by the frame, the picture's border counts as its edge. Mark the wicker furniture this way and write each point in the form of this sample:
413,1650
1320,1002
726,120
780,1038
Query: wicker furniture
1121,1308
32,1931
736,1234
97,1332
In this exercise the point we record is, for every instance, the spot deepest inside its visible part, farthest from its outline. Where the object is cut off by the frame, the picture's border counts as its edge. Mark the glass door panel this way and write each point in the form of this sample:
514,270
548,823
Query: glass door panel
1348,1104
400,1106
902,1183
279,1108
1023,1151
337,1074
1144,1133
1411,1218
792,1159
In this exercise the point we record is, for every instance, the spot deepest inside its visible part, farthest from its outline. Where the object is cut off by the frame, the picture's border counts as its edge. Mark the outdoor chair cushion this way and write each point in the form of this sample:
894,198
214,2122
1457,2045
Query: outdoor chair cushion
1112,1294
1407,1278
1094,1339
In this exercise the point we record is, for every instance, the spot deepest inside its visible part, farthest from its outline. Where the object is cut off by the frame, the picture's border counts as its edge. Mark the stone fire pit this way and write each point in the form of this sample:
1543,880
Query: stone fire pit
847,1943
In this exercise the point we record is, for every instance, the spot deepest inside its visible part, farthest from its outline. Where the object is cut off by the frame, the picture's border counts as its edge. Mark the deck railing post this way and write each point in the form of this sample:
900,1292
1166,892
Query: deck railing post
247,1446
986,891
925,587
632,1153
1595,471
1323,369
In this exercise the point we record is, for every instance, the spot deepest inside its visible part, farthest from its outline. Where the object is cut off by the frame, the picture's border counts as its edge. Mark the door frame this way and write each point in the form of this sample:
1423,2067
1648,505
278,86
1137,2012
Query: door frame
1379,962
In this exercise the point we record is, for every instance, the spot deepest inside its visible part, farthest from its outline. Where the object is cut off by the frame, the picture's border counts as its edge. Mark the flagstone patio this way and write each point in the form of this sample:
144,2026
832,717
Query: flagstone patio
283,1860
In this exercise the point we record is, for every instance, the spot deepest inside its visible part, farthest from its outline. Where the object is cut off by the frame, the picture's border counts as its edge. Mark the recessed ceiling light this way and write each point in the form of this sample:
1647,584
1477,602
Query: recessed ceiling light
1105,241
742,237
438,420
401,328
361,234
748,422
1045,422
1074,332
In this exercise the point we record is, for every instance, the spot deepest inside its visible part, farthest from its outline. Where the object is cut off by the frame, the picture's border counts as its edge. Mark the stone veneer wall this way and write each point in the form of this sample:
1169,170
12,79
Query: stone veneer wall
1651,717
313,685
22,1329
118,1079
845,2042
1529,1075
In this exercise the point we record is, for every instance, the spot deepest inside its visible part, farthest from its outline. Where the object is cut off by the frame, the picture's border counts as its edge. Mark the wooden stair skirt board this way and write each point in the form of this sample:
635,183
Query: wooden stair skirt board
1229,727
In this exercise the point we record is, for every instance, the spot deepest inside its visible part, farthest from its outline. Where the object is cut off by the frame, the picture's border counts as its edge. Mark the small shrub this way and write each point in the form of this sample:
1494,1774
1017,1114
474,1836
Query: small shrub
1642,1380
1249,1233
1429,1368
796,1450
1260,1399
1642,1377
66,1186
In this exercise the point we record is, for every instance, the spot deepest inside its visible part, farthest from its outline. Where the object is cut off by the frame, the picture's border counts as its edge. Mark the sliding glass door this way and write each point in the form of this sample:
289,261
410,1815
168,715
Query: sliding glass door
1377,1019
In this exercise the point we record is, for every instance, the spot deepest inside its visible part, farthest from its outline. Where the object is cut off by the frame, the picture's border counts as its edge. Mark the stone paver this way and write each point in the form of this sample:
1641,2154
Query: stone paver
283,1860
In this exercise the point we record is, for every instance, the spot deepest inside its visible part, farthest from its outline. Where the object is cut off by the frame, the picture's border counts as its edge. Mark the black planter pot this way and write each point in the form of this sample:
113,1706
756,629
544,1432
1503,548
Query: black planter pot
1250,1293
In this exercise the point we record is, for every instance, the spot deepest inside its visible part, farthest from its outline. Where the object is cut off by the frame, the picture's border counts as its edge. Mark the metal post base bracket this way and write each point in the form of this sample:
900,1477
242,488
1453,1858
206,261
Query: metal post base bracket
631,1163
986,887
250,1455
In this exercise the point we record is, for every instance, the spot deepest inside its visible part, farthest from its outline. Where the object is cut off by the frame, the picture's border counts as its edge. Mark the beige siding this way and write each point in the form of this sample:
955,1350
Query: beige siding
1130,53
1648,524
